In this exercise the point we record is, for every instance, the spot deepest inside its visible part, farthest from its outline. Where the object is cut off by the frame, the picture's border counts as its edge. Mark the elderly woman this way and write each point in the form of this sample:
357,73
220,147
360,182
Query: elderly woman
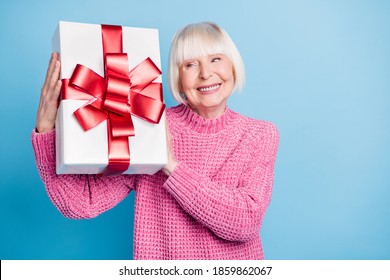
209,201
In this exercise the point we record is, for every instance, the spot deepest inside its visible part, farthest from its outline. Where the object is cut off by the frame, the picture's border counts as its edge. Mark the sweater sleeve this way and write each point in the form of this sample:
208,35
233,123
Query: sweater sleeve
233,213
77,196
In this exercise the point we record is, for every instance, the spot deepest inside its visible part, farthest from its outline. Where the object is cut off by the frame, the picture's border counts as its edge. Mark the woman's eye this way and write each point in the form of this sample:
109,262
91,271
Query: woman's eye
189,64
216,59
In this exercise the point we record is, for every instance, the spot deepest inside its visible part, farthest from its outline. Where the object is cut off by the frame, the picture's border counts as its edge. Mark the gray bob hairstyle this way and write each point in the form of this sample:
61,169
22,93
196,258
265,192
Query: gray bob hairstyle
202,39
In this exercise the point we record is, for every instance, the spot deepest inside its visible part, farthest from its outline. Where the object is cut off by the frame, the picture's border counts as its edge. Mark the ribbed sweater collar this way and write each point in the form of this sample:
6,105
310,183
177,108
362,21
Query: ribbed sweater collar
186,117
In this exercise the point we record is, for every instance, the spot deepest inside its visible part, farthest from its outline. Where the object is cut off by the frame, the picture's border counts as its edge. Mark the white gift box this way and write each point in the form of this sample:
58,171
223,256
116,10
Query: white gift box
86,152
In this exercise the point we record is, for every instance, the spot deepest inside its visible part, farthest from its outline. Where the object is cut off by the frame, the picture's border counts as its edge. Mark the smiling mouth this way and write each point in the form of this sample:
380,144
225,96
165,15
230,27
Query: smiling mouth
209,88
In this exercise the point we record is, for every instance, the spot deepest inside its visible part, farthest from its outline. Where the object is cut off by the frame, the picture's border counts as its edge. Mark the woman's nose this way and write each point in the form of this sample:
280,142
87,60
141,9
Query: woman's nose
205,72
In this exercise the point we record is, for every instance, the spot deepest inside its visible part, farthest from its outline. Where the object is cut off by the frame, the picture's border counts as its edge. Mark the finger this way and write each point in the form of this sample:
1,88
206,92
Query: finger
51,91
54,76
169,140
53,95
167,132
57,91
50,70
50,67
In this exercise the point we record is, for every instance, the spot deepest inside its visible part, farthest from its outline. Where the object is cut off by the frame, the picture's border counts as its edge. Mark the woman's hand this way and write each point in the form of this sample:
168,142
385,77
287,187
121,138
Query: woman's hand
172,162
50,93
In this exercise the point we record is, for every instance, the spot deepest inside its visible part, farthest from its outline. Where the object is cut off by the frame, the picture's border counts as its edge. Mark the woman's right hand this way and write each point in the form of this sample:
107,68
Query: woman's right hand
50,93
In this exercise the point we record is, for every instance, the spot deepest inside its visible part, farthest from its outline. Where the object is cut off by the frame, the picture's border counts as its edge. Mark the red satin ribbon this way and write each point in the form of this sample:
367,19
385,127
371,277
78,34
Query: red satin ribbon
115,96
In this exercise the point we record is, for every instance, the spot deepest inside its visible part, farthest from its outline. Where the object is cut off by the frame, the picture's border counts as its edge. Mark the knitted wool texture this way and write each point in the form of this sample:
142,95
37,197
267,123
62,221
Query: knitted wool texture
210,207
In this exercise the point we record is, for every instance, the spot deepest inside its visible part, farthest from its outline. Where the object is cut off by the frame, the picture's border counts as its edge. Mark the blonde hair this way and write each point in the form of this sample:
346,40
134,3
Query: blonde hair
202,39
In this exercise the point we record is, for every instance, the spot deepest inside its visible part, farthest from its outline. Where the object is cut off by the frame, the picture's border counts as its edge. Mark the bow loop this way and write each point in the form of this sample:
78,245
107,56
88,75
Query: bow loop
145,96
86,79
143,74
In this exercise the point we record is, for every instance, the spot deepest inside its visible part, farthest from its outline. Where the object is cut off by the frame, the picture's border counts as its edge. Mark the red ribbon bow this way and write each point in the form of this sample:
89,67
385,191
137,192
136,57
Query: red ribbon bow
115,97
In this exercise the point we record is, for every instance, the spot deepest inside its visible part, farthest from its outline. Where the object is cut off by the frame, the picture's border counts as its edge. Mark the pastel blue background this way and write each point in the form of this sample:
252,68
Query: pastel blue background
320,70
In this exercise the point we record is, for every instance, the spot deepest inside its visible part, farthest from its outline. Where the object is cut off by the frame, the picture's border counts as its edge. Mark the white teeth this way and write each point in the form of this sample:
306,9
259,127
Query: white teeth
208,88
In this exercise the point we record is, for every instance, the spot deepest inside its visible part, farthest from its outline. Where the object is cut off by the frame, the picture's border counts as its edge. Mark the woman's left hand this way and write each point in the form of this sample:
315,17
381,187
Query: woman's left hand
172,162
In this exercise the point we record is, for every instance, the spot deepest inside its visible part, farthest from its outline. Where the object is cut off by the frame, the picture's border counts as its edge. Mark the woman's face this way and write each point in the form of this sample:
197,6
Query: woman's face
207,82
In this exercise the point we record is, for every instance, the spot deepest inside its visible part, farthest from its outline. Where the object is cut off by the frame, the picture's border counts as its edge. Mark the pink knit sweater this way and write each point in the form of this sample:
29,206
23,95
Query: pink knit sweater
210,207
